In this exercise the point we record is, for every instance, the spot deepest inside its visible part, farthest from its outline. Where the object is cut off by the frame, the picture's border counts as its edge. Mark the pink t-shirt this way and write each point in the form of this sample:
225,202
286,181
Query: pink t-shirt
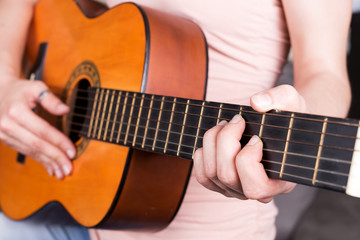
248,44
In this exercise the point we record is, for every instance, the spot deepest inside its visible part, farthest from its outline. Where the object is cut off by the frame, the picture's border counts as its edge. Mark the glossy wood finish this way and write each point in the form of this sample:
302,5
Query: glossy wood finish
109,187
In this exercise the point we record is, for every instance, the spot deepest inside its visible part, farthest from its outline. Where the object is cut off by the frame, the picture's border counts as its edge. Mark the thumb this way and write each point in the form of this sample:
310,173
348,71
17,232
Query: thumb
283,97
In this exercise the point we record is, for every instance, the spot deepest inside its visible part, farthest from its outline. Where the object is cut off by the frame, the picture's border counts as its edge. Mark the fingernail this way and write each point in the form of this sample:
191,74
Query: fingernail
253,140
222,123
62,108
261,99
50,171
66,169
58,173
70,154
237,118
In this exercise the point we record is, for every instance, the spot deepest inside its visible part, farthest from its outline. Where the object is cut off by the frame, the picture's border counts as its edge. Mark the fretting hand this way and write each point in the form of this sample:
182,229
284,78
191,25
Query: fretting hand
224,166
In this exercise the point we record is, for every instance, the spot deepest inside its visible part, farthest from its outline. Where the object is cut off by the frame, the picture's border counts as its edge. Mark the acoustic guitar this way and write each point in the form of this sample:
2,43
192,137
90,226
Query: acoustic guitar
135,78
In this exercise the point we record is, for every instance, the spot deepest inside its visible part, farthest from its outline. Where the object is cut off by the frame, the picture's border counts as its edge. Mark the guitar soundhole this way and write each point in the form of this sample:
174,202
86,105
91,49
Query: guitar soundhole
79,110
76,95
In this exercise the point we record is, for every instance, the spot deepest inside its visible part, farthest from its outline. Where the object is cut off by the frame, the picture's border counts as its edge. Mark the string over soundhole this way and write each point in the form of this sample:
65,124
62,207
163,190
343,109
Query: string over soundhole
76,118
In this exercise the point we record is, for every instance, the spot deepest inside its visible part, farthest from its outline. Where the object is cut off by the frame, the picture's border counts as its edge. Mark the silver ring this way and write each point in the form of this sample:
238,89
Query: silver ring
43,94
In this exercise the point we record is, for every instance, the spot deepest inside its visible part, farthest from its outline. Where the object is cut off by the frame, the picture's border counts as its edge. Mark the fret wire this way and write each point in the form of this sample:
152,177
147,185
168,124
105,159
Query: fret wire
169,128
277,114
158,123
262,125
93,113
219,114
266,169
198,128
268,138
103,114
286,145
147,121
183,127
109,115
275,151
259,124
308,179
311,156
98,112
265,149
276,126
122,116
306,168
138,119
240,111
319,150
130,117
115,116
290,175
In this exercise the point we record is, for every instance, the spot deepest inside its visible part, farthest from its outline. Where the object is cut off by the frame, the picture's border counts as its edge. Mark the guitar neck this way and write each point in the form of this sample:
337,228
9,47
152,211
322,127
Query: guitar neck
308,149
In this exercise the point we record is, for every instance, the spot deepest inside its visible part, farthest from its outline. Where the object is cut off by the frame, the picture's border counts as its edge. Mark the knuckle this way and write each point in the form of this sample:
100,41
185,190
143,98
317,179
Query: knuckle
14,111
44,132
202,179
60,158
211,173
36,148
4,125
227,178
253,193
2,136
39,85
36,155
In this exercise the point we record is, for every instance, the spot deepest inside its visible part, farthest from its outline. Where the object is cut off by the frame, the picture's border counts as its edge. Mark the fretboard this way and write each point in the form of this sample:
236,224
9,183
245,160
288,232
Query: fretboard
302,148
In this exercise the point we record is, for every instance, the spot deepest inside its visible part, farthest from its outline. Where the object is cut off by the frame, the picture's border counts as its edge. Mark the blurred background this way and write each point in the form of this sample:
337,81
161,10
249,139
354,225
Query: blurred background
309,213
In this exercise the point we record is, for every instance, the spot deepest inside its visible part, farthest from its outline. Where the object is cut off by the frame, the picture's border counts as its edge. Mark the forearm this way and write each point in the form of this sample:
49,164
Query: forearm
15,17
325,93
318,32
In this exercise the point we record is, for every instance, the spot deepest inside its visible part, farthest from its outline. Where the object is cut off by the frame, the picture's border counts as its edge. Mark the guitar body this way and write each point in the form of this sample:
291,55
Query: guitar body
129,48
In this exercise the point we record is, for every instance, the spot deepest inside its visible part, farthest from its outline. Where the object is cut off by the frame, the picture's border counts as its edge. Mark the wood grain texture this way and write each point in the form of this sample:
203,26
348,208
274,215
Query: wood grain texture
115,42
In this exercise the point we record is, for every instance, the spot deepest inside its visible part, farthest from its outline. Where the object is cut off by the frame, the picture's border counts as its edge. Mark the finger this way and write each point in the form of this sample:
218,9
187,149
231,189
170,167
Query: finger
38,92
52,104
283,97
209,184
209,162
23,149
209,152
200,172
256,184
228,146
40,150
41,128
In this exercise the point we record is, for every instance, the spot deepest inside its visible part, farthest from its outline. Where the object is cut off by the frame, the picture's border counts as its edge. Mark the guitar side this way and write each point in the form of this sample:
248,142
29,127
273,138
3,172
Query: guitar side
137,49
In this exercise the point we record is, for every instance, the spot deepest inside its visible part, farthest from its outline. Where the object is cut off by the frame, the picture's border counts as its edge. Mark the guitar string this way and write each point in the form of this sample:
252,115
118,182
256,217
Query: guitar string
248,122
278,114
306,168
160,149
200,137
255,123
308,179
232,110
195,127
